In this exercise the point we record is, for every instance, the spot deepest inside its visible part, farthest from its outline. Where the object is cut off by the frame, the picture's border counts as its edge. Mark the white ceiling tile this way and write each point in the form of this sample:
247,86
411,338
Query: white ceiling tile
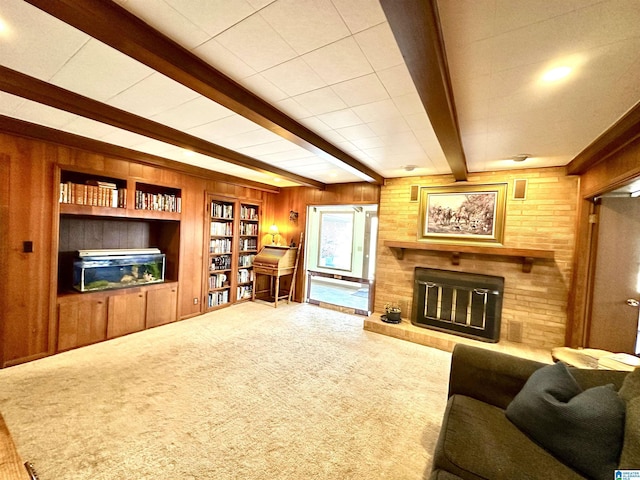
152,95
315,124
263,88
340,118
317,23
293,154
198,111
356,132
408,104
339,61
223,128
294,77
418,121
9,103
361,90
371,142
213,16
397,80
264,149
124,138
256,43
27,50
380,47
360,14
88,128
100,72
166,19
376,111
320,101
385,127
333,137
292,108
42,114
223,60
249,139
258,4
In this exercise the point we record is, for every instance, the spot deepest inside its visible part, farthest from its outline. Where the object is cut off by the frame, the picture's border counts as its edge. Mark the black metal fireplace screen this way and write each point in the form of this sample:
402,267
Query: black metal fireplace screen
467,304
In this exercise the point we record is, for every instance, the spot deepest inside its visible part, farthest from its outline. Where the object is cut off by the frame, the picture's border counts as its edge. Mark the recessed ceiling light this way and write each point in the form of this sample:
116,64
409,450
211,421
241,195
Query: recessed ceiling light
188,153
556,74
409,168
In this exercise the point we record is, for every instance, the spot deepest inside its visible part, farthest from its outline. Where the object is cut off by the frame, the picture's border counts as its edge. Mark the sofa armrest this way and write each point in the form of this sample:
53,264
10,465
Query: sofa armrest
489,376
495,378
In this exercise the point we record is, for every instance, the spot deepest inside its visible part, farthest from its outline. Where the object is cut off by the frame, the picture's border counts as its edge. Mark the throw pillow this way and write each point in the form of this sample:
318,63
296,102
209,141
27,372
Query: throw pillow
630,392
584,429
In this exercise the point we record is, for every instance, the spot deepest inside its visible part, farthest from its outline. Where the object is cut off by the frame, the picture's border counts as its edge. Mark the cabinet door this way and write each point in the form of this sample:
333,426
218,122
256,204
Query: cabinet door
81,323
161,305
126,314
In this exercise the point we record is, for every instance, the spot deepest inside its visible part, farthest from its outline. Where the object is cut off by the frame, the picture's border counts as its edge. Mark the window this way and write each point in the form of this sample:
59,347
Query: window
336,240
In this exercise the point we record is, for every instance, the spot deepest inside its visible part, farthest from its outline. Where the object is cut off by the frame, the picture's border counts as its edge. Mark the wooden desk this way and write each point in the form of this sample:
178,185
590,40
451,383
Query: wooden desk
274,261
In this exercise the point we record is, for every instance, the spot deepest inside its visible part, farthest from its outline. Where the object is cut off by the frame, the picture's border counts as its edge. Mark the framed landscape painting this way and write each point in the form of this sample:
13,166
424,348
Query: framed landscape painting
464,214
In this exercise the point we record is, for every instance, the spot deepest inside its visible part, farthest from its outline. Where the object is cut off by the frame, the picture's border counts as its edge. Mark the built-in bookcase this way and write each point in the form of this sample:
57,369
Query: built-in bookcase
248,236
233,237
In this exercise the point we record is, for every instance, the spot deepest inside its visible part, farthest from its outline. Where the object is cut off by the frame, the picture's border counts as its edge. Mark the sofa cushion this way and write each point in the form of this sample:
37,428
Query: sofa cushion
582,428
630,392
477,442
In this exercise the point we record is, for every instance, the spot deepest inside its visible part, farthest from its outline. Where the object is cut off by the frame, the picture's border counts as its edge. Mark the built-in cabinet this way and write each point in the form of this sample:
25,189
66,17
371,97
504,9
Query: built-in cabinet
108,212
233,228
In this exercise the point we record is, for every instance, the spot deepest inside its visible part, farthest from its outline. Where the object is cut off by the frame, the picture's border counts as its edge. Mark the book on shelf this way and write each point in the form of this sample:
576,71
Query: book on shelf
94,195
160,202
221,210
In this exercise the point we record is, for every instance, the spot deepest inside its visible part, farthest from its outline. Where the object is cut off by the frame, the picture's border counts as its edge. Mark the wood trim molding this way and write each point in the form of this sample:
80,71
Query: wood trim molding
526,255
139,41
31,130
416,27
621,134
34,89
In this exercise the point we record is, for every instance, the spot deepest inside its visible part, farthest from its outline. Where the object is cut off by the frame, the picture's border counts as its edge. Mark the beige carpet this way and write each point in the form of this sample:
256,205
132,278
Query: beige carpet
247,392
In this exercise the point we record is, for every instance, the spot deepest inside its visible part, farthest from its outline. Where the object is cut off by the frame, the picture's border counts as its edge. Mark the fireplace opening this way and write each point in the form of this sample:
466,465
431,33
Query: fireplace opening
467,304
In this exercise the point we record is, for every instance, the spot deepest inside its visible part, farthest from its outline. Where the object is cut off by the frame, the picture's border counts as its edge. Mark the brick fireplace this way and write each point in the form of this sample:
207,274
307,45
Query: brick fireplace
534,302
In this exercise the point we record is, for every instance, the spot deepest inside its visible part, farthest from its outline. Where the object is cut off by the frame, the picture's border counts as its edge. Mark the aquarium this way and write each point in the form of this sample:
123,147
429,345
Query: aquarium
120,268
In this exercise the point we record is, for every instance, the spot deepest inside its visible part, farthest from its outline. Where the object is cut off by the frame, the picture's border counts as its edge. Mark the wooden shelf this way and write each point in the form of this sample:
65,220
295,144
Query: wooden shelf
94,211
527,255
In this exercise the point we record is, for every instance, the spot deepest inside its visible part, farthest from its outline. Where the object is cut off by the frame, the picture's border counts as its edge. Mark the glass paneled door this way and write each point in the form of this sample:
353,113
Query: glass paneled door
340,259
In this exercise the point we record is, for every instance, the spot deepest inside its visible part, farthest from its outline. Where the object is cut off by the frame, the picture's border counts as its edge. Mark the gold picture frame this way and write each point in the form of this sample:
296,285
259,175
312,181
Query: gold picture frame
463,214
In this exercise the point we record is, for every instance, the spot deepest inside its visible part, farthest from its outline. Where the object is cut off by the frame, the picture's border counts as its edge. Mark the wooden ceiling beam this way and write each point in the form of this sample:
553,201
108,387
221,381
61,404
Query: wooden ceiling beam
24,86
416,27
113,25
618,136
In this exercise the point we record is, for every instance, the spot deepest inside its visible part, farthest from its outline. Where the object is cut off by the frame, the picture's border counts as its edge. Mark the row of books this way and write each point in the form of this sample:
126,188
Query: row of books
248,228
245,275
221,228
220,245
220,263
221,210
248,244
218,298
245,260
218,280
162,202
245,291
248,213
93,193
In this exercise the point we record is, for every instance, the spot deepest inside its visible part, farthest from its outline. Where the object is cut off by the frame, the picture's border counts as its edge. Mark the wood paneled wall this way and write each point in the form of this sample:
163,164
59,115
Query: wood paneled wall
29,212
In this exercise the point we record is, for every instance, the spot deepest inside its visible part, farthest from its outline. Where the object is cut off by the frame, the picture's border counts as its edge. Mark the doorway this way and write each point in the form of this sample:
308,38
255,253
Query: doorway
616,286
340,256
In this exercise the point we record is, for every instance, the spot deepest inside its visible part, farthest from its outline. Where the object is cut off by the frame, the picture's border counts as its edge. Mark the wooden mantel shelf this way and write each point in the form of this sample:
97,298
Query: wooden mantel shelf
527,255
